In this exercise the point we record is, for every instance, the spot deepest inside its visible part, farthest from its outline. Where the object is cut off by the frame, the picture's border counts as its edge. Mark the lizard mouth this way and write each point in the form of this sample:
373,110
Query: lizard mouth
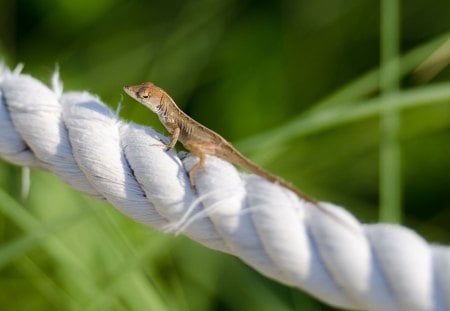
126,88
130,91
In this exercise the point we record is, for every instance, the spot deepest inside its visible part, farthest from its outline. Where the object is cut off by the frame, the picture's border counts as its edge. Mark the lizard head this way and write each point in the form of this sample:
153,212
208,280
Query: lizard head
147,94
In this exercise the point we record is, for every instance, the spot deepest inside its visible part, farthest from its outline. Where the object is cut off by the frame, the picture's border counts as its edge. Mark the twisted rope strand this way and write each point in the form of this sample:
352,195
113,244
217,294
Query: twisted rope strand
79,139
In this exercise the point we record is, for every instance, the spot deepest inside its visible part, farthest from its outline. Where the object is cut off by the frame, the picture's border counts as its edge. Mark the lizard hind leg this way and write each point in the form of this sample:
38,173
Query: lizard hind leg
196,150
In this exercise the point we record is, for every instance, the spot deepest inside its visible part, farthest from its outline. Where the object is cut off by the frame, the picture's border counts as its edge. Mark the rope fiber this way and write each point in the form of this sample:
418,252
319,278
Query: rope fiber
78,138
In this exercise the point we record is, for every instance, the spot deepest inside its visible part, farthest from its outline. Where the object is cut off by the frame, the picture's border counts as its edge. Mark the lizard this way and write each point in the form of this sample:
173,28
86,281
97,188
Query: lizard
202,141
195,137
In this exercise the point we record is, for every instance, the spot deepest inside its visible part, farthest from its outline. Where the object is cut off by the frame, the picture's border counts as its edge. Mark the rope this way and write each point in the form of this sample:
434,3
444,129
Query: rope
79,139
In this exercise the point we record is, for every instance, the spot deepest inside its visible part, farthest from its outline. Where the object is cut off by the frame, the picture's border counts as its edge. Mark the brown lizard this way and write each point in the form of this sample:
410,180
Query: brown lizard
201,141
195,137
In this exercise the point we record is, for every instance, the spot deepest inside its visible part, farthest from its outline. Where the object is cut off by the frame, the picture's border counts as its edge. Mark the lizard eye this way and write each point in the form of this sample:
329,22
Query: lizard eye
145,96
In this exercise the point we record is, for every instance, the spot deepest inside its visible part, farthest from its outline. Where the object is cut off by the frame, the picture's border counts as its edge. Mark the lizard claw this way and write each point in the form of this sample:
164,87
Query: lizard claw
192,179
163,144
160,145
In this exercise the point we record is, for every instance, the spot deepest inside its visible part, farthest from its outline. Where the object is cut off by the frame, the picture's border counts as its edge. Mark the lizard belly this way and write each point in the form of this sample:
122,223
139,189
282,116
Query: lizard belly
201,145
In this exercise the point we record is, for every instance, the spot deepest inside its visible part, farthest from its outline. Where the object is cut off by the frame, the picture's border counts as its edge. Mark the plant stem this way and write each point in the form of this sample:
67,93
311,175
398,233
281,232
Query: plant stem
390,160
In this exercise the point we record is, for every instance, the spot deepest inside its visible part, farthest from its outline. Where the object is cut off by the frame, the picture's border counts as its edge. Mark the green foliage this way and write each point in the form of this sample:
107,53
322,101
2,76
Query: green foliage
295,84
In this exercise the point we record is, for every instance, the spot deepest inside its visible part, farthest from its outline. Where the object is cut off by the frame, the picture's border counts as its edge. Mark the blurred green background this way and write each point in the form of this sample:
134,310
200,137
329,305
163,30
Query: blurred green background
296,85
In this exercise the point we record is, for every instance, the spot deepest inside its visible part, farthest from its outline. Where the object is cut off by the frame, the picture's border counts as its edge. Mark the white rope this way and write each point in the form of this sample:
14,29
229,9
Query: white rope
78,138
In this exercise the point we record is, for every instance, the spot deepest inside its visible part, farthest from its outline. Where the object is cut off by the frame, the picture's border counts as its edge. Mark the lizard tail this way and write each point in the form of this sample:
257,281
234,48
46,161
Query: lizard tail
240,160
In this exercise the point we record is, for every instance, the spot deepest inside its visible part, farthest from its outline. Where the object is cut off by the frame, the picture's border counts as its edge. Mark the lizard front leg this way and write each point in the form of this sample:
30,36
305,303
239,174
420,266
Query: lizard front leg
173,138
